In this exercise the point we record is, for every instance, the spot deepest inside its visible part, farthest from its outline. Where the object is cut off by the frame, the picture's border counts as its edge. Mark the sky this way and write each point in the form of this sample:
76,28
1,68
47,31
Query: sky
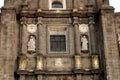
114,3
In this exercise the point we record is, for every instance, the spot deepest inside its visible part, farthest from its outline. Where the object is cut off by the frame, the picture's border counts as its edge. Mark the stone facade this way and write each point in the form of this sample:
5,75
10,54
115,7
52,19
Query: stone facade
90,31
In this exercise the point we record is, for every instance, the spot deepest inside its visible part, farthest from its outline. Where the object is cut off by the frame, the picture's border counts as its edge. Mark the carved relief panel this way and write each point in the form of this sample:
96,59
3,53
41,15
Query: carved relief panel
59,64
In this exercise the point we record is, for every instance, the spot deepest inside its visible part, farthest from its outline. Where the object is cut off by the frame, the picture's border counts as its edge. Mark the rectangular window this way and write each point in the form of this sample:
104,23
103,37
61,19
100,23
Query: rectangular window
57,42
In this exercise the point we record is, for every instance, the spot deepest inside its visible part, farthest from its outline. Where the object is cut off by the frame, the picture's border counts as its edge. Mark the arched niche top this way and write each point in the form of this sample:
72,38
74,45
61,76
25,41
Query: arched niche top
57,4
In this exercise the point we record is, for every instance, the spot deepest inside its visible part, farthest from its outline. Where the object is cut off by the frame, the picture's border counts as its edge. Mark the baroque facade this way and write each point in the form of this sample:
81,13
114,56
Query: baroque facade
59,40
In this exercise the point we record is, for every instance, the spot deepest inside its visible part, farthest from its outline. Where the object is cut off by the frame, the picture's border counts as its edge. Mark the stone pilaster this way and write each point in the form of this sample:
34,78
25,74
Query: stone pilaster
76,35
92,35
24,34
39,24
8,43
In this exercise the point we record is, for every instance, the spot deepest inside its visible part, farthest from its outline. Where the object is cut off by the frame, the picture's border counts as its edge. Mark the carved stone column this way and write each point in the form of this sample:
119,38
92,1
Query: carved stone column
40,42
39,33
77,62
76,35
92,35
24,34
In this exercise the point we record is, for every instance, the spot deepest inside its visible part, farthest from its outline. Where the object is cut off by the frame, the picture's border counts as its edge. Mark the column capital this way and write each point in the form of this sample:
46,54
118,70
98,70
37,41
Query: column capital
23,20
39,21
91,20
75,21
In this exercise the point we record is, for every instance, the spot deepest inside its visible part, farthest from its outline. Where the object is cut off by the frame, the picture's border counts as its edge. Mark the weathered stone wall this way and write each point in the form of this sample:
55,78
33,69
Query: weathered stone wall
44,4
110,44
8,44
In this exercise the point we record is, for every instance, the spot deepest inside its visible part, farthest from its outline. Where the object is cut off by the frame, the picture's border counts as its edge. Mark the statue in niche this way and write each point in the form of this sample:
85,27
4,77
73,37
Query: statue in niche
84,43
31,43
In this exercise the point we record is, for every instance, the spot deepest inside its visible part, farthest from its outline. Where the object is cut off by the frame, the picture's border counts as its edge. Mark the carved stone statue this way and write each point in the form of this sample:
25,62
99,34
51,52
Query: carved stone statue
31,44
84,43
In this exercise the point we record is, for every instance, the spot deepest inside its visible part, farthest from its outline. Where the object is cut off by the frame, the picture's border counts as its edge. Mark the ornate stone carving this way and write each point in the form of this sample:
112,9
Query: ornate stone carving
78,62
31,62
31,28
39,62
75,20
83,28
23,20
95,62
84,43
39,20
22,62
58,61
31,44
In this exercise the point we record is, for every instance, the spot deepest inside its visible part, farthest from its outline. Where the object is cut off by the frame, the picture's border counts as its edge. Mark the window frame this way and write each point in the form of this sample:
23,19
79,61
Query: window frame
61,40
57,32
63,2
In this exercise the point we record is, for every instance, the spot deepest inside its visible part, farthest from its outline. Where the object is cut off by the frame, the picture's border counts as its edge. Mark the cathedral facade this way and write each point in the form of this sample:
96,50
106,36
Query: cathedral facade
59,40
